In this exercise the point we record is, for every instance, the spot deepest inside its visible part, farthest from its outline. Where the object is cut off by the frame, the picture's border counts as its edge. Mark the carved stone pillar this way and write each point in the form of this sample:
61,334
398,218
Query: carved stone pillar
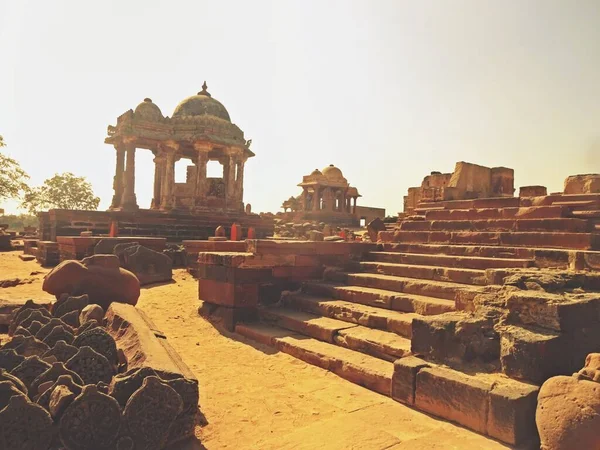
159,171
168,185
128,200
230,181
239,181
316,200
304,199
201,187
118,179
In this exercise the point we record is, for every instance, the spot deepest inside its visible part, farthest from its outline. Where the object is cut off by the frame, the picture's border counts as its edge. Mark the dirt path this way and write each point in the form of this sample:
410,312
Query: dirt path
256,398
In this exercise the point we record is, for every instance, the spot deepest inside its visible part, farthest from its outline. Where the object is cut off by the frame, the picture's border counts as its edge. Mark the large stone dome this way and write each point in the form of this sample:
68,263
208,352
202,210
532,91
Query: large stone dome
333,173
201,104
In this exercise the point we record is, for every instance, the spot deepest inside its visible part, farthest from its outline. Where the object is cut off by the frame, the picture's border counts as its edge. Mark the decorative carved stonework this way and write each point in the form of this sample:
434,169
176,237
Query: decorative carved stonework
31,368
91,366
24,425
149,413
100,341
61,351
92,421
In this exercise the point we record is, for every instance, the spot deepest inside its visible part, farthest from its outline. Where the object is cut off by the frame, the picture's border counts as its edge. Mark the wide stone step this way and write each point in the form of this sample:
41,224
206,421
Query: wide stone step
532,212
355,313
484,251
464,276
381,344
318,327
580,241
464,262
431,288
488,403
588,214
510,225
359,368
381,298
579,205
478,203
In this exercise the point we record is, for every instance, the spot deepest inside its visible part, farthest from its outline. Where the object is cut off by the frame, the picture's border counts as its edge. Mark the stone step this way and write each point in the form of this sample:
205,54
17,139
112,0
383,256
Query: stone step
364,370
579,205
580,241
478,203
587,214
532,212
455,275
381,298
463,262
378,343
431,288
484,251
318,327
488,403
507,225
355,313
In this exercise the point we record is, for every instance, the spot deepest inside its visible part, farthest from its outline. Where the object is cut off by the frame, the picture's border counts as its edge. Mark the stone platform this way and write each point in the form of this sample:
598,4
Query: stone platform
173,225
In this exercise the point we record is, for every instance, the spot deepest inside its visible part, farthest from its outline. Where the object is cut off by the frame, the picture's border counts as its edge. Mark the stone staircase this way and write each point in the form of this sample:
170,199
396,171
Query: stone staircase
395,321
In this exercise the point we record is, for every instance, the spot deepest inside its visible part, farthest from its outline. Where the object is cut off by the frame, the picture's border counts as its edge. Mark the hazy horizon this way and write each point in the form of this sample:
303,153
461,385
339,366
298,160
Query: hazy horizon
388,91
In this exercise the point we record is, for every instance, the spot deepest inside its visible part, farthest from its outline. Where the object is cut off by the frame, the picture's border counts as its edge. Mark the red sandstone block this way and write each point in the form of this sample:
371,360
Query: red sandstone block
475,237
231,259
228,294
233,274
511,416
453,396
297,273
214,246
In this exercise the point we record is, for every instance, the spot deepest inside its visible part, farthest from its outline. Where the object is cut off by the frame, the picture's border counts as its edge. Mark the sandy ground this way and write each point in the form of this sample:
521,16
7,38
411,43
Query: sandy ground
256,398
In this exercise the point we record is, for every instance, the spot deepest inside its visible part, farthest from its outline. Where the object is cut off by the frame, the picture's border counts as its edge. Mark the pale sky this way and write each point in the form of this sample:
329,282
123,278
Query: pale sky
386,90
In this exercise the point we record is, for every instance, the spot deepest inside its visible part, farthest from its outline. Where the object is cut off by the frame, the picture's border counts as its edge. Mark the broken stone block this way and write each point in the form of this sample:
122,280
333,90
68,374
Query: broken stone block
374,227
99,279
404,380
149,266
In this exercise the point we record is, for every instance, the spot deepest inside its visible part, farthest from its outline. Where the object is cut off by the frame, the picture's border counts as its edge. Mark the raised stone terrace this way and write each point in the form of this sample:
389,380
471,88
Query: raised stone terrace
461,311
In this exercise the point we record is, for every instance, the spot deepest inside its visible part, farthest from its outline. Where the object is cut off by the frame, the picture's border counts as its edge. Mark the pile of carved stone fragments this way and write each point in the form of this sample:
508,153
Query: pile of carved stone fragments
65,384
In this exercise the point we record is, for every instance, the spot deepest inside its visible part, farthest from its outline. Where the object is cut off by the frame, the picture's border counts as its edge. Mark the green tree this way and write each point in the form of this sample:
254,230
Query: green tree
62,191
12,177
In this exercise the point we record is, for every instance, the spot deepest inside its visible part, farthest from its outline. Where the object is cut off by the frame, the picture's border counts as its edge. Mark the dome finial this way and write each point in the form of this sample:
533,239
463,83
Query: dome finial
204,91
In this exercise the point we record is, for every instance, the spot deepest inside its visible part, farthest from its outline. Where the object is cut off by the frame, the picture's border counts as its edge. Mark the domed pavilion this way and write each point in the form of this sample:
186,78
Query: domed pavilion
200,130
327,196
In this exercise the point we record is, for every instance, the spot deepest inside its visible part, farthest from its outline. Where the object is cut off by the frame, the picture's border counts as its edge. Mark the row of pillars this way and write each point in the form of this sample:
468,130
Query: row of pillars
164,178
347,204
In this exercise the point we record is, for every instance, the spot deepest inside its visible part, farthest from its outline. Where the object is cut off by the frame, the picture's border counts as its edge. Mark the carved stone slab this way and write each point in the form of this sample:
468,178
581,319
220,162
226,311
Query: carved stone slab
102,342
24,425
91,366
91,422
30,369
59,333
52,374
9,359
5,376
64,380
149,413
7,391
49,326
68,304
61,351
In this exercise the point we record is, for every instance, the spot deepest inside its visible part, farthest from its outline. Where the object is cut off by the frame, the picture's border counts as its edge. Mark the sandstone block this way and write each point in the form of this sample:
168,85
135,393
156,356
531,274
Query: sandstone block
453,396
512,412
228,294
404,380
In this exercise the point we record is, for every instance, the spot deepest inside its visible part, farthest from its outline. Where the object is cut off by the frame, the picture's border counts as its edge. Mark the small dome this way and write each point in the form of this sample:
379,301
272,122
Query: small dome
201,104
148,111
316,172
333,173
